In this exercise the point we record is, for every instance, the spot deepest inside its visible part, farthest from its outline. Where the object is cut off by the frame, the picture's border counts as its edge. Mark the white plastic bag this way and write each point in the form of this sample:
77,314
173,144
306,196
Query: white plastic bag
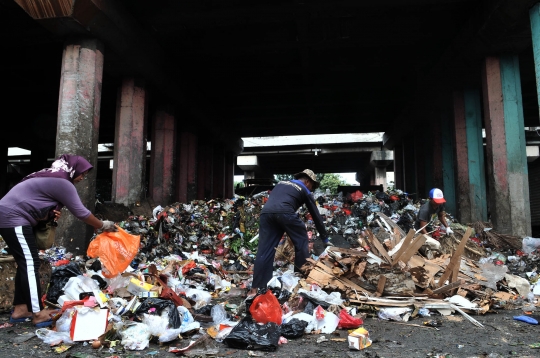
530,244
202,298
218,314
135,336
52,337
64,322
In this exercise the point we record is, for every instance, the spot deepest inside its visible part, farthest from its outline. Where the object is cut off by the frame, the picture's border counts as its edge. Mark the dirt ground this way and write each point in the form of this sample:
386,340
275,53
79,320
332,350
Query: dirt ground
502,336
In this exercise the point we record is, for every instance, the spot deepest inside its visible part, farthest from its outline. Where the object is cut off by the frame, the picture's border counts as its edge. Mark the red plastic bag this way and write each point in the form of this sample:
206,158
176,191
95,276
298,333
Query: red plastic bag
357,196
265,308
115,250
319,313
347,321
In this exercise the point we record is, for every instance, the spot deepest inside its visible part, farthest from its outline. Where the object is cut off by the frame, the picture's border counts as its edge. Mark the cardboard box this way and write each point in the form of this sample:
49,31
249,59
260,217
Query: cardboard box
135,286
88,324
359,339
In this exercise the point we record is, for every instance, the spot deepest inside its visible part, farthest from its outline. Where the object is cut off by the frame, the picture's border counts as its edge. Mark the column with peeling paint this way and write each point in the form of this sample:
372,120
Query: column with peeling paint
448,164
469,150
186,164
78,129
128,182
505,146
162,156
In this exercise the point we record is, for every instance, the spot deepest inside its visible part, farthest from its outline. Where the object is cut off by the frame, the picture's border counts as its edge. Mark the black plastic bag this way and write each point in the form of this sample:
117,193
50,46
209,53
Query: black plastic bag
205,310
310,307
316,302
59,277
281,295
160,304
248,334
294,328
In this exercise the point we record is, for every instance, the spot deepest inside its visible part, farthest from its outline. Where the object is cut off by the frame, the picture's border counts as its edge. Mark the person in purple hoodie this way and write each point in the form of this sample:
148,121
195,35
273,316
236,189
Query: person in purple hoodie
39,197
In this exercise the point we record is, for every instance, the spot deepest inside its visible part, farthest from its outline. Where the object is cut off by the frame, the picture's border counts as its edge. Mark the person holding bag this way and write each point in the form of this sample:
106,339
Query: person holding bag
39,197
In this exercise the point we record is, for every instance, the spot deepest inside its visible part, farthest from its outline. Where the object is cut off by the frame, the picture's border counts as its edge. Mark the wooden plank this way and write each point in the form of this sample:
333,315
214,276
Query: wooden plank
412,249
347,251
406,242
353,285
392,224
456,258
380,286
377,244
447,288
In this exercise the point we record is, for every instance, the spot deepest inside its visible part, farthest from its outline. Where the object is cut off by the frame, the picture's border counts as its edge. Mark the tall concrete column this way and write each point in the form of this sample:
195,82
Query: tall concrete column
230,160
128,181
186,177
447,141
162,157
219,172
398,166
470,171
205,167
505,145
78,129
380,160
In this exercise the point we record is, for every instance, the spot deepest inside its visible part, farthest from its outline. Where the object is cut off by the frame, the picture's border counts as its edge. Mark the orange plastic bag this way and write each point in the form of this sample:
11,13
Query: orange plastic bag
266,308
115,250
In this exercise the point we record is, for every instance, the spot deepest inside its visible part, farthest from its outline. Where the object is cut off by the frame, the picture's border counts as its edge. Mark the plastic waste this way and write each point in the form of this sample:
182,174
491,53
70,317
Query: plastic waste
328,323
135,336
530,244
393,313
64,322
294,328
248,334
347,321
266,308
59,277
201,298
115,250
159,305
53,338
218,314
526,319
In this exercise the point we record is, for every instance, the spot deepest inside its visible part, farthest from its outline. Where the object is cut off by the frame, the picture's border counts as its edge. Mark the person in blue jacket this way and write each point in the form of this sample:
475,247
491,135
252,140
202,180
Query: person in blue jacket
278,216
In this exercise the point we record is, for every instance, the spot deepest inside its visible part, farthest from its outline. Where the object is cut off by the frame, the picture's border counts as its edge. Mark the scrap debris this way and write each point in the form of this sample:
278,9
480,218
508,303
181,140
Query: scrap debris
187,280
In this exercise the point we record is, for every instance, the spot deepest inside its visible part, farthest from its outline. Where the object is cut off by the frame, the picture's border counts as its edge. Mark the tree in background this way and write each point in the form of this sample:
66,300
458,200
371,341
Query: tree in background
283,177
331,181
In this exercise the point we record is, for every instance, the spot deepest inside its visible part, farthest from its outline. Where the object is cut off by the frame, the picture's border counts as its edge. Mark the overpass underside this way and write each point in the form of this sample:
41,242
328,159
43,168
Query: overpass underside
194,77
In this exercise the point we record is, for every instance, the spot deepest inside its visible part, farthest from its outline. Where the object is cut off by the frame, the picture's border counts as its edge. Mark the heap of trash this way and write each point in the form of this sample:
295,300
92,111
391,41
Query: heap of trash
180,276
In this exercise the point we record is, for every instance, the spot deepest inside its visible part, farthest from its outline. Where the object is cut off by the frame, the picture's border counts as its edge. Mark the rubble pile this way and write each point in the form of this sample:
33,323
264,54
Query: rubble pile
180,275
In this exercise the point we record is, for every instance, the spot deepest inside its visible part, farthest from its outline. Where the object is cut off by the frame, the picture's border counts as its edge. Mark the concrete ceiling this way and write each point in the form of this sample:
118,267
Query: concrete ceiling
263,68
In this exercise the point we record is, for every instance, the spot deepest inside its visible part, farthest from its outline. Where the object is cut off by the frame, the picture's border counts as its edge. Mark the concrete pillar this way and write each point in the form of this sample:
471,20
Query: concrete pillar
505,145
162,157
78,129
470,171
219,172
380,160
128,181
398,166
421,158
230,160
205,167
449,182
186,177
534,15
3,173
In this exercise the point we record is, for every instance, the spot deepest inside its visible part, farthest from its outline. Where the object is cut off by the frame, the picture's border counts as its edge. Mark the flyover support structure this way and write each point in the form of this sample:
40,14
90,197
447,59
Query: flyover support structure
508,180
162,156
469,150
186,176
130,142
78,128
205,168
218,181
447,142
398,166
380,160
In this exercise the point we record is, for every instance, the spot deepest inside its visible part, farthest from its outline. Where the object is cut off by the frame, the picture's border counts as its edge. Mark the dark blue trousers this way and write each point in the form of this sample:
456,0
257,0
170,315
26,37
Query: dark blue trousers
271,229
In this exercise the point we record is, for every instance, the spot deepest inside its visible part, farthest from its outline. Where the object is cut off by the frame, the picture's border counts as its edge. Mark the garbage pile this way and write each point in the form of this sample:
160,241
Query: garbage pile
181,275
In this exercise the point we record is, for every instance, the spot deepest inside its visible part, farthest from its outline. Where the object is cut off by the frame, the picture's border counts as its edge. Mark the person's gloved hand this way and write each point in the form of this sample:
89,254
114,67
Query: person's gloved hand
449,231
108,226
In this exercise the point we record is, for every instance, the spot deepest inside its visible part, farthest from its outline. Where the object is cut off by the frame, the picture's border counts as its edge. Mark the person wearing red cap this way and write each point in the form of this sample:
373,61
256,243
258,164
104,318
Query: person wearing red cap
434,207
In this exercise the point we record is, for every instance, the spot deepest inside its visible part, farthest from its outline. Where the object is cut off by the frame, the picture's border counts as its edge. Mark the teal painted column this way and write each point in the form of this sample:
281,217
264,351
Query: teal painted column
475,155
505,145
534,15
448,174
